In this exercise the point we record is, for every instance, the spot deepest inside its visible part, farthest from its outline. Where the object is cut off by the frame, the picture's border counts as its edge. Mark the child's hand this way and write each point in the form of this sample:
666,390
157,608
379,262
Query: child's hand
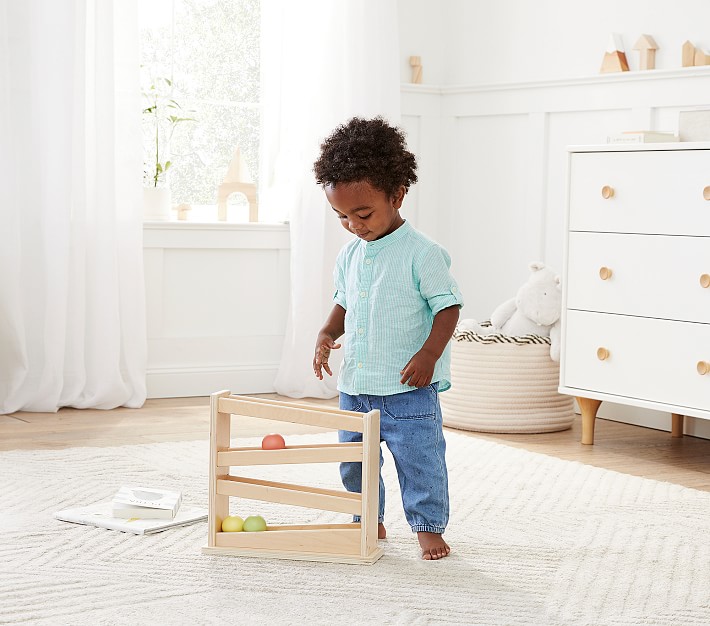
324,345
420,369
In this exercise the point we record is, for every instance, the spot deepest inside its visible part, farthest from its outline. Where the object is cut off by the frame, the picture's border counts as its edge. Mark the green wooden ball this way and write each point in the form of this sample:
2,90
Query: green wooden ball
254,524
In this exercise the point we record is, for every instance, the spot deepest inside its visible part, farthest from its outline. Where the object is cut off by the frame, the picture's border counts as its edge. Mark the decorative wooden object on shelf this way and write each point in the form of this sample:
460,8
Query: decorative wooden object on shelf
646,47
182,210
416,64
688,54
336,543
640,335
615,57
237,180
693,56
701,57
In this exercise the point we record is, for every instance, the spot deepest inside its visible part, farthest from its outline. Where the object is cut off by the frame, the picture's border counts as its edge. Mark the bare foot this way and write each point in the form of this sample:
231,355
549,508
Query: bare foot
381,532
433,546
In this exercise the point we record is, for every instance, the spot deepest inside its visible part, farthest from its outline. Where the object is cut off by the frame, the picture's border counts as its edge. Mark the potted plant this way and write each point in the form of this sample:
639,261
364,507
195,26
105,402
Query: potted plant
161,115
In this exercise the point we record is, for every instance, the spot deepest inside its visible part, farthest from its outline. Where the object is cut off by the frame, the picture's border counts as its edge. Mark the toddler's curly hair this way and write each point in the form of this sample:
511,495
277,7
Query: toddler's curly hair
370,150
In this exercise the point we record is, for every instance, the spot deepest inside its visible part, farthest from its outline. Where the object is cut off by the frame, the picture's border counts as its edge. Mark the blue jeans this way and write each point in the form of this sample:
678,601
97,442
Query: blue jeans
411,426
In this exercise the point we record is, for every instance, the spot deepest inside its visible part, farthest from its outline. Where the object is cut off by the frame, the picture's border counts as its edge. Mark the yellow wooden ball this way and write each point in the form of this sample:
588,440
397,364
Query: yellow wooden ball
232,524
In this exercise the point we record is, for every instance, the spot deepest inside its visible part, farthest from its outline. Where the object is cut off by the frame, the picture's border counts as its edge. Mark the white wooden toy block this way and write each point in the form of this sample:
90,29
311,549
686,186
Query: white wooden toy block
336,543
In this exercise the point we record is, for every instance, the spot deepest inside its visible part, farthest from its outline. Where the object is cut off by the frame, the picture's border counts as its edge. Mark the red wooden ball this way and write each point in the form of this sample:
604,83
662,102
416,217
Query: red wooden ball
274,441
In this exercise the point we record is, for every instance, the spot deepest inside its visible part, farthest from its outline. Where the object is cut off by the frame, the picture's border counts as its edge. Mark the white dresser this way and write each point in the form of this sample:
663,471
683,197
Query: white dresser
636,280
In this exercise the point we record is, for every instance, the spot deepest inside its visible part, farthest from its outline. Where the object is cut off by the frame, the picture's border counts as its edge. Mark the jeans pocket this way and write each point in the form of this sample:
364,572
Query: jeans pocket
416,404
350,403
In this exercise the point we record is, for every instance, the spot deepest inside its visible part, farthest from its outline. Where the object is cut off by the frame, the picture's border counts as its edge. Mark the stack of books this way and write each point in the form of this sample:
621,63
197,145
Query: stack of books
641,136
145,503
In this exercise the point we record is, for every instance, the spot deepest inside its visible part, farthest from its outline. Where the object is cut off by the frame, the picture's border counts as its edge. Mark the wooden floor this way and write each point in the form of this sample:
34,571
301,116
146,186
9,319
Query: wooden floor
620,447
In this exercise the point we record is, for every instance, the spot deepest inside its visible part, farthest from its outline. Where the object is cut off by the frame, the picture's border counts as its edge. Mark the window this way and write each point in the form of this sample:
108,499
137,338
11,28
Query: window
203,55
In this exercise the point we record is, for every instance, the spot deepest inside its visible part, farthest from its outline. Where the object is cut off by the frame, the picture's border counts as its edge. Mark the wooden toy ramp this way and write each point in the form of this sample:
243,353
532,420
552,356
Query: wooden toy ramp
337,543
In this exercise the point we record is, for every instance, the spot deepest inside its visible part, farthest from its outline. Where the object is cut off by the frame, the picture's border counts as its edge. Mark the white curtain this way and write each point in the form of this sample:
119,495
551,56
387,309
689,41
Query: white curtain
72,314
323,62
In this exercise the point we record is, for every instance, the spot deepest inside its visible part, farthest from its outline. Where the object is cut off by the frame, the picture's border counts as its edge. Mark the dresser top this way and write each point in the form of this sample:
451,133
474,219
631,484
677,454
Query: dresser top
642,147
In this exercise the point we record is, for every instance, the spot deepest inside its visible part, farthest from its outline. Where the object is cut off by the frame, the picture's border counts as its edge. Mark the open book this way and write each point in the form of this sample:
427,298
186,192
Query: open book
100,515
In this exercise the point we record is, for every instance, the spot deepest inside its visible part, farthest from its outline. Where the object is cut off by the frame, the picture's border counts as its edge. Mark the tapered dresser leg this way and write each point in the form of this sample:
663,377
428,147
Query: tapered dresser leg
677,425
589,410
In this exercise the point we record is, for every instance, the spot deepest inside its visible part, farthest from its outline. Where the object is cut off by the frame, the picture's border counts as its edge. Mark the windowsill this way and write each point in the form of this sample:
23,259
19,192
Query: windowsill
215,225
204,217
184,235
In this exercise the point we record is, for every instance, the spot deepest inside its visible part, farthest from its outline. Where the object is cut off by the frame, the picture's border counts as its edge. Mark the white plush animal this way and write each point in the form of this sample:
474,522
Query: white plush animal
535,310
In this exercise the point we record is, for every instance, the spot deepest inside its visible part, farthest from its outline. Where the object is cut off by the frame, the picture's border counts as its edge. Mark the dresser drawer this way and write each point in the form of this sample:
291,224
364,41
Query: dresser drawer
646,275
658,192
650,359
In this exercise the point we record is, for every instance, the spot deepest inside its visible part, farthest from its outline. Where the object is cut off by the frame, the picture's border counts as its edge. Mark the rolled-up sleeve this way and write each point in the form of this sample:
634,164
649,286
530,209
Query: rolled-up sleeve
339,279
436,283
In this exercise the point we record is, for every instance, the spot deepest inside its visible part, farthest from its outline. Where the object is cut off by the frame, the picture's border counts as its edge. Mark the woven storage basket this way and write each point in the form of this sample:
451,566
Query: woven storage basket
502,384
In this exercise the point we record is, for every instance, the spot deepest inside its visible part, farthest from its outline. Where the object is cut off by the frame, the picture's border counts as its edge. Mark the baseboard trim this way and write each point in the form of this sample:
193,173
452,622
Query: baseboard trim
183,382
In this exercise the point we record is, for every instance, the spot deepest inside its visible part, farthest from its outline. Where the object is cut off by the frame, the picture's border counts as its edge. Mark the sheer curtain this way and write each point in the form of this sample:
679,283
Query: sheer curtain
323,61
72,314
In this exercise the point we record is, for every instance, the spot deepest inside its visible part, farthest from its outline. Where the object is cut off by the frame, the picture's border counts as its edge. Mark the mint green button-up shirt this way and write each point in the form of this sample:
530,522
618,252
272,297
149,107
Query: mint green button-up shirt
391,289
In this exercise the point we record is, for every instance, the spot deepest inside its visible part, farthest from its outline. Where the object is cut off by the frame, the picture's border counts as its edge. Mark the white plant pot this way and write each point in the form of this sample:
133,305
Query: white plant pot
156,203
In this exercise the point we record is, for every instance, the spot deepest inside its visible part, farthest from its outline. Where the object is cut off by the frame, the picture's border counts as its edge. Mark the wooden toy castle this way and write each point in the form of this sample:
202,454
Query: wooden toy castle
237,180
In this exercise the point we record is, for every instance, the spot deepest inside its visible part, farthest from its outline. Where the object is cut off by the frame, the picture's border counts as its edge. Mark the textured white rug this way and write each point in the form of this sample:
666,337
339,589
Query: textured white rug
535,540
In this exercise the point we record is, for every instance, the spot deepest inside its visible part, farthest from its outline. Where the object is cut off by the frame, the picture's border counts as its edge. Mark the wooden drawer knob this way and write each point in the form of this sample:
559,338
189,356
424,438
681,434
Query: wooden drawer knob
608,192
602,354
706,192
703,368
605,273
705,281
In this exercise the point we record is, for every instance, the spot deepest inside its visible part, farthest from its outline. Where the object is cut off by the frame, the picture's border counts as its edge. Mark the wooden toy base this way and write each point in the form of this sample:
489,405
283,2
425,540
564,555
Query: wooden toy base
335,543
297,556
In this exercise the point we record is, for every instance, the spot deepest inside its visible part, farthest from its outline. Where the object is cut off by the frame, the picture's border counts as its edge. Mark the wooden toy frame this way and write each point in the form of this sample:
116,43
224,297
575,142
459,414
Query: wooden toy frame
337,543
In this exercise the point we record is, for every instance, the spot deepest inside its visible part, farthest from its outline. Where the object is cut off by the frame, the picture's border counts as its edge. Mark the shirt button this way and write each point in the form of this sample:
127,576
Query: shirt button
359,365
363,294
368,261
454,290
360,331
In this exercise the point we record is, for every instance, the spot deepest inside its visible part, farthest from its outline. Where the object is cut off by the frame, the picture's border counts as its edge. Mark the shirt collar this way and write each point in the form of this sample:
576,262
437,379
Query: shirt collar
378,244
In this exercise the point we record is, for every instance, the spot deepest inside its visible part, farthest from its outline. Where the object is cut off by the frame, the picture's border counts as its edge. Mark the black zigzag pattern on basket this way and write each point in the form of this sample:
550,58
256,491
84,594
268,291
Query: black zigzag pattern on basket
522,340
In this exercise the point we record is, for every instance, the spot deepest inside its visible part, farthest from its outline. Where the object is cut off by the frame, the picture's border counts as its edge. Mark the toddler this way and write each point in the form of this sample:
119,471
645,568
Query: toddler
397,306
